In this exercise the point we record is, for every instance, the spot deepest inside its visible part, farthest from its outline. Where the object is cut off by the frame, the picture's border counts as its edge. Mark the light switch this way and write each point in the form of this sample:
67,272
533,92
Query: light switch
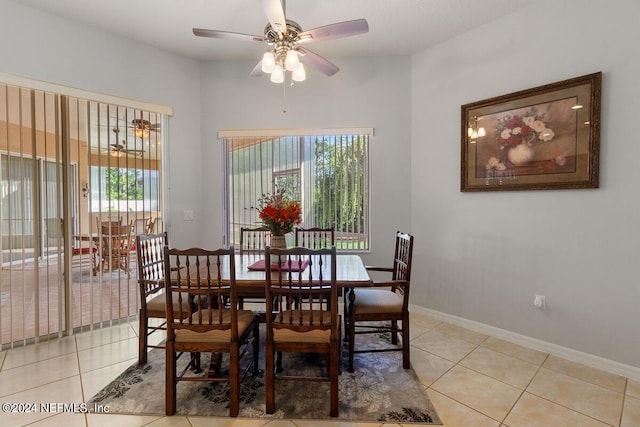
187,215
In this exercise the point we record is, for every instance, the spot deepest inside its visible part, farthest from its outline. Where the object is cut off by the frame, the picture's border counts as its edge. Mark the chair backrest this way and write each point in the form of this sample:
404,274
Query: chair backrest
195,282
150,257
402,265
301,292
315,237
116,238
254,240
151,226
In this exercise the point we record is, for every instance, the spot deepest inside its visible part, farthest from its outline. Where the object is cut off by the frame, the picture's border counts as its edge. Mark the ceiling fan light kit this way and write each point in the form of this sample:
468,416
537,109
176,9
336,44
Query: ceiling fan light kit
283,37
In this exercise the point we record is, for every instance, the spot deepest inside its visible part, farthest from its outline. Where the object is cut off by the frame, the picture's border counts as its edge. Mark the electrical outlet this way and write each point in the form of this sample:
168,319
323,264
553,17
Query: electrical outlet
539,302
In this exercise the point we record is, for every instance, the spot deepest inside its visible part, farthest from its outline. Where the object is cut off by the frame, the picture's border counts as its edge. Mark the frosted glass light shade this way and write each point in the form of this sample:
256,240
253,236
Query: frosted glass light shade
277,76
291,62
268,62
299,74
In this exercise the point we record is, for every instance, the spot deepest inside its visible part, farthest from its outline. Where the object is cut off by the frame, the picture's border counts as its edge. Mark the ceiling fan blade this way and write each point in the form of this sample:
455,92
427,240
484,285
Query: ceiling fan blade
334,31
313,59
275,14
215,34
257,70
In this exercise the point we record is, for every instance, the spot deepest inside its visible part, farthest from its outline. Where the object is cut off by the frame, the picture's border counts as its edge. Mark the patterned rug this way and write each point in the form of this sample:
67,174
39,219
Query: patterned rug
378,390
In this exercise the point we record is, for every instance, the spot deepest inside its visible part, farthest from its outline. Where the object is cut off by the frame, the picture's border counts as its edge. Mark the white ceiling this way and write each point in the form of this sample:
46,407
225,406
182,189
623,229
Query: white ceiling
397,27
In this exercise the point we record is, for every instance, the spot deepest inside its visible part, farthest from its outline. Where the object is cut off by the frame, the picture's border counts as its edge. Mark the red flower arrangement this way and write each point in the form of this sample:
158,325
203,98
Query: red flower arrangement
279,213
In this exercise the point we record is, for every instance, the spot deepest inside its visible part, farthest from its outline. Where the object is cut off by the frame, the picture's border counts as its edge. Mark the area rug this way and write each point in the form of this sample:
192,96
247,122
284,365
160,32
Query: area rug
378,390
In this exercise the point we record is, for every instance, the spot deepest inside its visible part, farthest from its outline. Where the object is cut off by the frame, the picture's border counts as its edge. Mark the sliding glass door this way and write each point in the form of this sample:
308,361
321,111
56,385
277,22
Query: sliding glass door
66,164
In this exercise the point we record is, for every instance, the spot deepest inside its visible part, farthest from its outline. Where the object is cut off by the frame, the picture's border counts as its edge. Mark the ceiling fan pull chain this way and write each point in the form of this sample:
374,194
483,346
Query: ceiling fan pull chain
284,98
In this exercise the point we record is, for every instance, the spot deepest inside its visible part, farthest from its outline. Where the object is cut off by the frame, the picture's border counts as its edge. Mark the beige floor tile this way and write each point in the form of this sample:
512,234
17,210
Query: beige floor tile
111,420
36,374
64,391
480,392
96,380
108,354
428,367
99,337
455,414
415,331
461,333
631,412
38,352
444,345
174,421
633,388
514,350
329,423
586,373
532,411
280,423
507,369
225,422
66,420
423,320
581,396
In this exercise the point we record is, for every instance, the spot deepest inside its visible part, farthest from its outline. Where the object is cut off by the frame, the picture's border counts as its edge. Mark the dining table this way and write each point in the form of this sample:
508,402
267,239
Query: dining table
250,281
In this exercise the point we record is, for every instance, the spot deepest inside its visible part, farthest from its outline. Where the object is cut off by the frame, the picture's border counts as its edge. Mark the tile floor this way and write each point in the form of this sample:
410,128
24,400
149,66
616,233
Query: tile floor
472,379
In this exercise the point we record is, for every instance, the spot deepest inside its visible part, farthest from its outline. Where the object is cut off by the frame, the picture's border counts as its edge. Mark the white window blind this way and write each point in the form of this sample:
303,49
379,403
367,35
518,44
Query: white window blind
326,170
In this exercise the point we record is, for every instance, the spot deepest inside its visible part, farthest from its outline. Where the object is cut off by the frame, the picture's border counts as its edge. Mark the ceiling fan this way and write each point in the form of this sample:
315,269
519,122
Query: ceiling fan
284,38
142,127
119,150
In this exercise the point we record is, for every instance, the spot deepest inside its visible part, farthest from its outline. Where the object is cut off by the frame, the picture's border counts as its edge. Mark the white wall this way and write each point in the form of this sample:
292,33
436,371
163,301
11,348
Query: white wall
478,256
41,46
367,92
483,256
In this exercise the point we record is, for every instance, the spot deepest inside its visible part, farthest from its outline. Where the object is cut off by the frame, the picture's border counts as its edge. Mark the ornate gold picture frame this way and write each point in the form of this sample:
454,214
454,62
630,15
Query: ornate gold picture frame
544,138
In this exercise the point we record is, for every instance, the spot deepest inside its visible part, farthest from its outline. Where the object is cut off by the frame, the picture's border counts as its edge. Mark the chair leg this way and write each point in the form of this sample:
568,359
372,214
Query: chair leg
406,359
270,399
234,381
352,337
170,380
143,339
334,361
394,332
256,347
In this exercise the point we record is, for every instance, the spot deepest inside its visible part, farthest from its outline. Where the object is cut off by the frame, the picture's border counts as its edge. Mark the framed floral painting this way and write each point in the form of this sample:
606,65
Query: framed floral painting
544,138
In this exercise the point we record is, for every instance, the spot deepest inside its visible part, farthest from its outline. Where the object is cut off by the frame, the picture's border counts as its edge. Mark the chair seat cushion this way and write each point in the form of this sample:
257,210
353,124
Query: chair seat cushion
245,319
370,301
157,306
315,336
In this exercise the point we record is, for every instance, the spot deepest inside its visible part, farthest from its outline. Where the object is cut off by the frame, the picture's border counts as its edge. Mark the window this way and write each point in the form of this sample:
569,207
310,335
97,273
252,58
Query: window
124,189
328,172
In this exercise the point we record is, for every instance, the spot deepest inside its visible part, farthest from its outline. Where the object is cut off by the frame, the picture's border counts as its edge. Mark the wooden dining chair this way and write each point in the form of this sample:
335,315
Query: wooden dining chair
254,240
299,293
115,241
150,257
315,237
380,308
207,325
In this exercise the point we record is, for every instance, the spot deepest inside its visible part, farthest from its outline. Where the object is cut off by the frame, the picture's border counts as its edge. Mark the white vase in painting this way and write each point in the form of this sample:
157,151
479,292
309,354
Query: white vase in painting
520,155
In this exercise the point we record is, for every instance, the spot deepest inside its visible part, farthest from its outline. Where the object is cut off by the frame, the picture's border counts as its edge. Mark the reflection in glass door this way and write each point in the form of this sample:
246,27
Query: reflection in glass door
58,159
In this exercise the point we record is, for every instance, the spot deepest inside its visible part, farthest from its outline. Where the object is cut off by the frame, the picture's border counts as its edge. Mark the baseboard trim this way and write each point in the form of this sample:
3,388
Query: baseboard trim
631,372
